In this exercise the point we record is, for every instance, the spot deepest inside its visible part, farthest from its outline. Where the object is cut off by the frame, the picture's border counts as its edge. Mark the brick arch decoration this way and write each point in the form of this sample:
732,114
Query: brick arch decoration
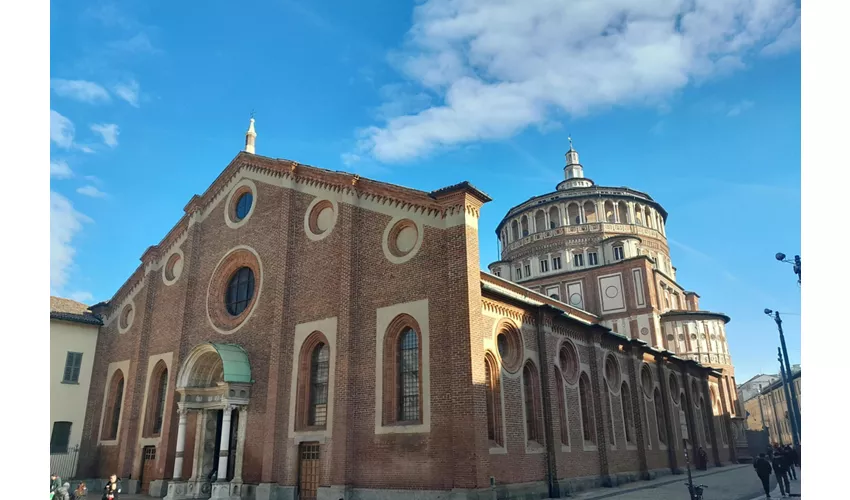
156,400
114,402
493,387
674,388
217,314
659,417
392,360
302,398
612,373
568,361
646,382
588,418
562,406
628,414
533,406
512,361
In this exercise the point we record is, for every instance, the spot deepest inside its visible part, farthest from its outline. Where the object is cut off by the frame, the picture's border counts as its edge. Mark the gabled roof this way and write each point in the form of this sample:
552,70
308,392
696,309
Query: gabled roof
71,310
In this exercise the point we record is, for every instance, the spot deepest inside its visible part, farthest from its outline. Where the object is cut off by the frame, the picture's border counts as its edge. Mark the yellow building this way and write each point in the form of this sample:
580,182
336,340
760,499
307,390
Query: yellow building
768,410
73,337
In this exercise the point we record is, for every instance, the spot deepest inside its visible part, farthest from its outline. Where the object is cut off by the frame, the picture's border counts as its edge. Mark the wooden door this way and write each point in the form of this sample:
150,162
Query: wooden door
308,471
148,467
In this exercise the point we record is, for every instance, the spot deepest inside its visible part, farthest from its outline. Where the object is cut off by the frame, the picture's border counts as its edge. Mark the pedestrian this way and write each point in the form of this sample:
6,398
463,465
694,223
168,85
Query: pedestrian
703,459
63,492
112,488
781,473
763,468
81,492
788,456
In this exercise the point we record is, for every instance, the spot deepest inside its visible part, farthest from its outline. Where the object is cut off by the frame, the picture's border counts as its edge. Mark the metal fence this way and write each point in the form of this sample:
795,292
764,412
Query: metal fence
65,463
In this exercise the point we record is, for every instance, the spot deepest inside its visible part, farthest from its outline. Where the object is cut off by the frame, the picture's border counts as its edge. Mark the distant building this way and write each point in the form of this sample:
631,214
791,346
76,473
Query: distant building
768,410
754,385
73,338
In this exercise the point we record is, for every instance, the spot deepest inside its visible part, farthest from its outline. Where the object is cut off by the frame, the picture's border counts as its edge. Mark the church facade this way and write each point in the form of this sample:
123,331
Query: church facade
303,333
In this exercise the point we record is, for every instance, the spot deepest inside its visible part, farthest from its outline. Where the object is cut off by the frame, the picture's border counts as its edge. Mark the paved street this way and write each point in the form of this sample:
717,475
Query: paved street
737,482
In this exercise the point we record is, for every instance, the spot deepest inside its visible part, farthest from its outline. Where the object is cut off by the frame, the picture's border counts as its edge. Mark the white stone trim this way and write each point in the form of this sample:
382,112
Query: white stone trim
385,243
234,224
166,358
419,311
124,366
334,207
328,328
164,266
258,287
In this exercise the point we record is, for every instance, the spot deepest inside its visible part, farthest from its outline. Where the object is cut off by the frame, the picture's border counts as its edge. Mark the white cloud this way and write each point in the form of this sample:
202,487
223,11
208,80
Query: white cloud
80,296
61,130
129,92
80,90
739,108
60,169
787,41
349,159
91,191
139,44
65,224
108,131
498,67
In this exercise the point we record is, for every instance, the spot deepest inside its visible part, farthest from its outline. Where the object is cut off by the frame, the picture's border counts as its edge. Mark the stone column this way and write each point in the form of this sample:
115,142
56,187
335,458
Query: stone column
224,443
198,458
240,444
181,444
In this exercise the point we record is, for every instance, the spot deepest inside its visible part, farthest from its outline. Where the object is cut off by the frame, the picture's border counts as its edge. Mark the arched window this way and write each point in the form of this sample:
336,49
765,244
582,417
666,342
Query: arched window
562,407
524,223
408,370
590,211
647,217
586,404
112,416
659,417
628,415
622,212
539,221
554,217
157,393
514,230
494,400
402,366
610,214
573,216
319,374
531,392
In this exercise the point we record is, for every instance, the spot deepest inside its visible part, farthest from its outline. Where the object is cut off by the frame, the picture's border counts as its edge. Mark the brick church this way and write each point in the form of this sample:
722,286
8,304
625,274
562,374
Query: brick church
304,333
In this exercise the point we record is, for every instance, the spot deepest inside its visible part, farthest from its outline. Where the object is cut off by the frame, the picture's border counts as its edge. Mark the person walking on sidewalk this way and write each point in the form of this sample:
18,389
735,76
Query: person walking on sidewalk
112,488
763,468
780,470
788,455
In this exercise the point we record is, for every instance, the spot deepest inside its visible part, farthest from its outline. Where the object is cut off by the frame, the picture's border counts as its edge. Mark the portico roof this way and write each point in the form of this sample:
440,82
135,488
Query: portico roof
235,362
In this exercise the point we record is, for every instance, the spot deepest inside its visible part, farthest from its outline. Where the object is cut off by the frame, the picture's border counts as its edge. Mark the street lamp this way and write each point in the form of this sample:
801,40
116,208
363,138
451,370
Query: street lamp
794,407
796,263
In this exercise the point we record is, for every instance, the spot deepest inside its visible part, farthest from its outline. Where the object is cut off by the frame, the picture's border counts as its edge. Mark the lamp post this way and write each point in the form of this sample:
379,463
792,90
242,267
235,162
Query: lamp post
795,408
796,263
786,382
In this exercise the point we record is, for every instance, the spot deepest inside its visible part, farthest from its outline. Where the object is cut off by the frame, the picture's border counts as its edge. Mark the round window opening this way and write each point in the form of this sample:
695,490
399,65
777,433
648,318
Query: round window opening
509,345
502,342
243,205
321,217
240,290
403,238
173,267
568,358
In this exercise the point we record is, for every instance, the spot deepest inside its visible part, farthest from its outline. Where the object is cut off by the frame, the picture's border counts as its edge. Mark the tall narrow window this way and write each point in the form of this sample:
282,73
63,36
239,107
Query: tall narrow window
585,402
113,416
60,437
514,230
408,360
319,370
532,404
159,409
659,417
562,407
73,361
524,224
578,260
705,420
554,217
544,266
494,401
519,273
592,259
556,263
539,221
528,270
618,253
628,416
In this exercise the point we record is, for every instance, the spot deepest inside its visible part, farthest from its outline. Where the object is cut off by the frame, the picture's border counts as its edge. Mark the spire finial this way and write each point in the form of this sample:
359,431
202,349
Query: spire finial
250,136
570,138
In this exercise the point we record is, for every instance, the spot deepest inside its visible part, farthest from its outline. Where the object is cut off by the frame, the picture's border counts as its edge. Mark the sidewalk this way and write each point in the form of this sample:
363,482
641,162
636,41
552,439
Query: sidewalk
733,482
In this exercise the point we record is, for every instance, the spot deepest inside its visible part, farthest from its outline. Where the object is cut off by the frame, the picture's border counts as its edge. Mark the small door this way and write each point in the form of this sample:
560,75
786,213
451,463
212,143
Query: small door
148,467
308,471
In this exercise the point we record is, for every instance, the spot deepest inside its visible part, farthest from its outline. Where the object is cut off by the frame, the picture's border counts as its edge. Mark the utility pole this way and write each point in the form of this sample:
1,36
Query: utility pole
794,412
795,432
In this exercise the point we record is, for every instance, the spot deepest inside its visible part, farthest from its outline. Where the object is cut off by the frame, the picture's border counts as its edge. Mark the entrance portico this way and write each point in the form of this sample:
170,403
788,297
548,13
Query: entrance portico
215,383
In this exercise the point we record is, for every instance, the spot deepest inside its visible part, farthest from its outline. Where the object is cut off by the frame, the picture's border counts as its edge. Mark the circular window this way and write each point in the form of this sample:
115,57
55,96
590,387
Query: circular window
173,268
320,219
646,381
693,336
125,320
240,204
509,344
239,291
402,240
674,387
568,358
575,299
243,205
670,338
234,290
645,331
611,292
612,373
681,336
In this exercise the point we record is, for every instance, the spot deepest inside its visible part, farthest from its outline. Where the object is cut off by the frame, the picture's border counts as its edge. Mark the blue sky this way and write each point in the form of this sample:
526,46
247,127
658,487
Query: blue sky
696,103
